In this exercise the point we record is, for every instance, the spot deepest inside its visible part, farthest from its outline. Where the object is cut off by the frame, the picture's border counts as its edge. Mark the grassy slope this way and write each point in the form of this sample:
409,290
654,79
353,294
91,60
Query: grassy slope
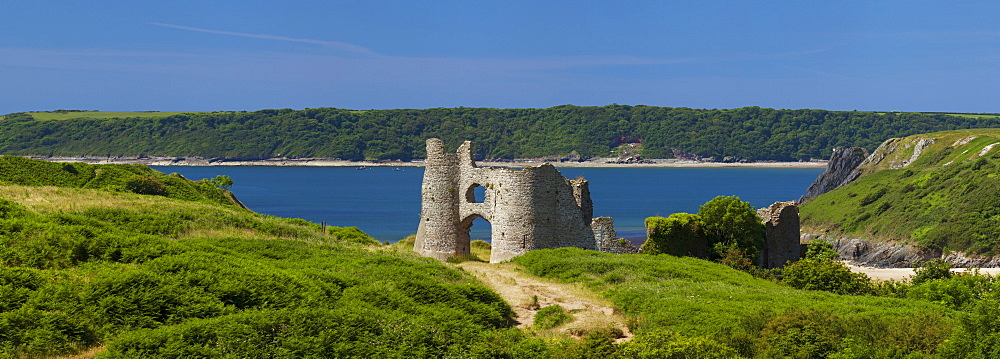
700,298
948,198
694,296
114,178
152,276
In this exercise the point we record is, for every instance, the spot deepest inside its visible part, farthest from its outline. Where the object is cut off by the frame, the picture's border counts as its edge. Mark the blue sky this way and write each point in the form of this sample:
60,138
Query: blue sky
249,55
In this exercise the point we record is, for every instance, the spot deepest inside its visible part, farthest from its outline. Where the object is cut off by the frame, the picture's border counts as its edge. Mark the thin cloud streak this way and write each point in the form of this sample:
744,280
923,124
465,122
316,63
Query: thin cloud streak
335,44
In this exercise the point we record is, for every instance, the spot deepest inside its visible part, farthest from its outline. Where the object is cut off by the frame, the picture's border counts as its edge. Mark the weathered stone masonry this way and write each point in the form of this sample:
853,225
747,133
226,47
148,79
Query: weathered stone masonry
532,208
781,225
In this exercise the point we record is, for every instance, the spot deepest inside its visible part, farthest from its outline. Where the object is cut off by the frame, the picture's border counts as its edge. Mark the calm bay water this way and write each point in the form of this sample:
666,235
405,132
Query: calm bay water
385,202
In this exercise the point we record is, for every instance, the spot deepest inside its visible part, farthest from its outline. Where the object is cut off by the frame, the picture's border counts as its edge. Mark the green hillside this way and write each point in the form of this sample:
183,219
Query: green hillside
103,272
945,197
751,133
93,268
115,178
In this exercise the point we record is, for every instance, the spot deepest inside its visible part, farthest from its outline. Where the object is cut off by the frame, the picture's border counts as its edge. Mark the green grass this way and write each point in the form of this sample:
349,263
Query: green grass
46,116
948,199
699,298
149,276
970,115
16,170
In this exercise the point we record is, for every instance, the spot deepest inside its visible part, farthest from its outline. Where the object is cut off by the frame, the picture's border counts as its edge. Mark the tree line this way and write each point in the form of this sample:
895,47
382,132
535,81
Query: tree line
750,133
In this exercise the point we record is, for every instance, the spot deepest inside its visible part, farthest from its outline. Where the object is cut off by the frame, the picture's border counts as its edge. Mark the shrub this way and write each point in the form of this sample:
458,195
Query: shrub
931,270
820,249
737,259
874,196
353,235
33,333
143,184
680,234
802,334
956,292
977,335
826,275
551,317
597,344
11,209
670,345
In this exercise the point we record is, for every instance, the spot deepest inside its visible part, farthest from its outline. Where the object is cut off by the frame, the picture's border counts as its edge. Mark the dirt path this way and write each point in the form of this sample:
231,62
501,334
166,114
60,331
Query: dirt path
519,288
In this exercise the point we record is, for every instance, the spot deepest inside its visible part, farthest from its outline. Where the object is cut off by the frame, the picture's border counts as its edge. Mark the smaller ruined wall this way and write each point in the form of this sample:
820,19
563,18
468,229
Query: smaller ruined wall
781,225
607,239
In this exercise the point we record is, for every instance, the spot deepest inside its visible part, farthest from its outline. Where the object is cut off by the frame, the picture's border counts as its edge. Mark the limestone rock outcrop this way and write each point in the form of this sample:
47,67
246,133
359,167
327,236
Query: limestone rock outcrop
840,170
875,254
781,225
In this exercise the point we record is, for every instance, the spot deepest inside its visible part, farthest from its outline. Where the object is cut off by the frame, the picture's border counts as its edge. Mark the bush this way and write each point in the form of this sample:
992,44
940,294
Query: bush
802,334
820,249
143,184
931,270
597,344
977,335
551,317
670,345
680,234
955,292
825,275
353,235
11,209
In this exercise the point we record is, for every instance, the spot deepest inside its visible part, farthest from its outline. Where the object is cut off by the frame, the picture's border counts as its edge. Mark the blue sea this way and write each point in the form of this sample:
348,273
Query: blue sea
385,202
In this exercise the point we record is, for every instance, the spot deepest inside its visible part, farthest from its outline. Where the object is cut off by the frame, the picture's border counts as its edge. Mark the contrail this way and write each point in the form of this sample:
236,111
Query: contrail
340,45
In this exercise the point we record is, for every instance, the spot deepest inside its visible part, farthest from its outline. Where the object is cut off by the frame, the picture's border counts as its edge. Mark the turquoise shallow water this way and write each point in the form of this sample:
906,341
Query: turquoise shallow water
385,202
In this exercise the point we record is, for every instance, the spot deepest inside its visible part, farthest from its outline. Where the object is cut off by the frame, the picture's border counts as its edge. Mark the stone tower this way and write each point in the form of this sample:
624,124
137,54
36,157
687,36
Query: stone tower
781,225
528,209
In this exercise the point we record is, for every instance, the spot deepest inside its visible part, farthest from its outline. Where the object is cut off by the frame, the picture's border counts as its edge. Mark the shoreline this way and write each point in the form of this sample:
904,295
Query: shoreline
322,162
904,274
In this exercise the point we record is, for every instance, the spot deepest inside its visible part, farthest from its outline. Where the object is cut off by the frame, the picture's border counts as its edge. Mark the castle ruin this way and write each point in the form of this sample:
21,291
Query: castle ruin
781,225
530,208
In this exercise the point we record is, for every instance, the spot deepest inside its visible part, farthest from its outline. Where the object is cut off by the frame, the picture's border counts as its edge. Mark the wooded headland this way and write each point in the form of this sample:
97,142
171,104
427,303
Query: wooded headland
729,135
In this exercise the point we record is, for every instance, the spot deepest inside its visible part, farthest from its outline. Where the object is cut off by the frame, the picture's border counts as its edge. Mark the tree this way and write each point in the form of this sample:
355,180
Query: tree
221,181
729,221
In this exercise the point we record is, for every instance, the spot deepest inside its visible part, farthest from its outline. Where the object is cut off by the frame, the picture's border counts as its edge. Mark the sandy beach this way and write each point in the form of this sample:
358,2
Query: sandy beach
322,162
900,274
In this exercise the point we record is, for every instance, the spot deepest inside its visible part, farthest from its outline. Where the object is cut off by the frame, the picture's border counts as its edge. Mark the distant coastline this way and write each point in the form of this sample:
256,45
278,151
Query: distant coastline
520,163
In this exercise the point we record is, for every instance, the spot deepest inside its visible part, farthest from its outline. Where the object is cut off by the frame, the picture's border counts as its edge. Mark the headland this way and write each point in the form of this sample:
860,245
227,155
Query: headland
516,163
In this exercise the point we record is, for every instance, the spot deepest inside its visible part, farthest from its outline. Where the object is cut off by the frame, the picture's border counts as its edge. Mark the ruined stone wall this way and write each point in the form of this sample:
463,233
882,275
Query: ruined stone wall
607,239
781,225
528,209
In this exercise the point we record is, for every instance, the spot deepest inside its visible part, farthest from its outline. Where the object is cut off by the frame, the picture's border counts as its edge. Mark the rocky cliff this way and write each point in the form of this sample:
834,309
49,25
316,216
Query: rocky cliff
935,192
839,171
887,254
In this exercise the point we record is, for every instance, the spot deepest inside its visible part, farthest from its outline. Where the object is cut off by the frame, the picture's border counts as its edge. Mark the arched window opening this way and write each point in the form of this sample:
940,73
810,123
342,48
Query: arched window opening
476,194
